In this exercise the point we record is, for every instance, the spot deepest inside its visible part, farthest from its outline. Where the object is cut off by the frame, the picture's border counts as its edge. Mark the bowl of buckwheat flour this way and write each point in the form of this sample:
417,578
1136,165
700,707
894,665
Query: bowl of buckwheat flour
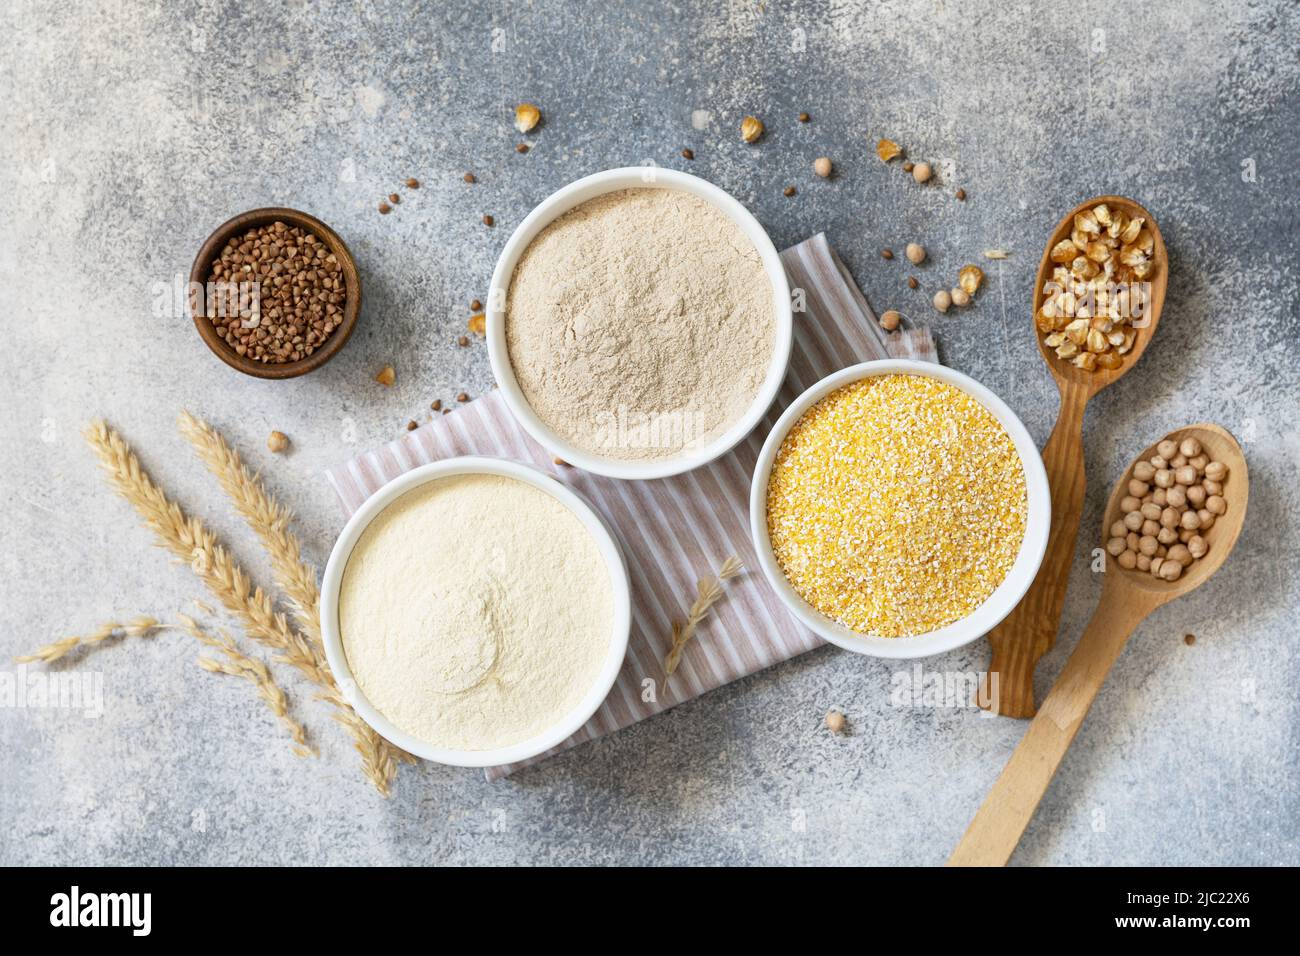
475,611
639,323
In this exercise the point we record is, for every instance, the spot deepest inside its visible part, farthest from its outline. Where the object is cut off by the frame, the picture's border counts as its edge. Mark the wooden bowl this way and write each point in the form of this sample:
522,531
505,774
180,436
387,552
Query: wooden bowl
211,250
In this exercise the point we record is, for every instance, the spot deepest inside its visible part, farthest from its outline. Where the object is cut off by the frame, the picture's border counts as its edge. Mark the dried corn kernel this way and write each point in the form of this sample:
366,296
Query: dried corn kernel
896,505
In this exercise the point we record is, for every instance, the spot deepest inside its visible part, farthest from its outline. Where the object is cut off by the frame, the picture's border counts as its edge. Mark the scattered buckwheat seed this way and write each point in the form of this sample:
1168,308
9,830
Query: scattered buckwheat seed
886,253
788,191
488,221
688,154
412,183
384,209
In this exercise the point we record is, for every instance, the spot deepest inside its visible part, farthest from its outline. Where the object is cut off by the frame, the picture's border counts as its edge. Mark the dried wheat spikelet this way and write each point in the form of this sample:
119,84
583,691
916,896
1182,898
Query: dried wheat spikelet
188,539
140,627
239,663
296,579
708,590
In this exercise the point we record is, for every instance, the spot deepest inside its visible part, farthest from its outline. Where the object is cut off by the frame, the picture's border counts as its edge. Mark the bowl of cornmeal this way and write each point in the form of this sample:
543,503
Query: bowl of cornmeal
639,323
475,611
899,509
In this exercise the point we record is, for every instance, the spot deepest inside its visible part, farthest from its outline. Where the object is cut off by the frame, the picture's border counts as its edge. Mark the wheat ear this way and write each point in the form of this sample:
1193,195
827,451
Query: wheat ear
707,592
296,579
140,627
188,538
238,663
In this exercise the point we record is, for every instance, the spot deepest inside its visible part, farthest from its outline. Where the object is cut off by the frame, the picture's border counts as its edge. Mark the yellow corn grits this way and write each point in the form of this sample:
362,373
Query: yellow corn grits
896,505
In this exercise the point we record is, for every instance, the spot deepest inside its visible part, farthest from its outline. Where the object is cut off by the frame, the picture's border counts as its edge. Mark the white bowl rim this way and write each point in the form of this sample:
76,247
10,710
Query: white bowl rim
560,202
998,604
606,542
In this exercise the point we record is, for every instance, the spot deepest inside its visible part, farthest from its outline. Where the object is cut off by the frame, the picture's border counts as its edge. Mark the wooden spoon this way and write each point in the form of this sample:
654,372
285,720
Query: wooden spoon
1029,631
1126,598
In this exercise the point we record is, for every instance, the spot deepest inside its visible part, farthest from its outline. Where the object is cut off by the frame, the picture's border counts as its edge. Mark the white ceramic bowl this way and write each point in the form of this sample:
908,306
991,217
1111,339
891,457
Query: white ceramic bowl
999,603
471,465
556,205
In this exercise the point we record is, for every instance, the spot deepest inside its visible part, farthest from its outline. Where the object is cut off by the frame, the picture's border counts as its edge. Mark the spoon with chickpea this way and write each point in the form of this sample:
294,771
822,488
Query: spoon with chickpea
1189,494
1097,301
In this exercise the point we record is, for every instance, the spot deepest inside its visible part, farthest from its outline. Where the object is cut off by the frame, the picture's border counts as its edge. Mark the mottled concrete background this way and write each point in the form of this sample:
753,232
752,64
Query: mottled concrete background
131,129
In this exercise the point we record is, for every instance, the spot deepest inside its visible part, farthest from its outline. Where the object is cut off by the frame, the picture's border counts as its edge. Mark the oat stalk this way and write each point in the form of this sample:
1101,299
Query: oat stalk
188,539
295,578
708,591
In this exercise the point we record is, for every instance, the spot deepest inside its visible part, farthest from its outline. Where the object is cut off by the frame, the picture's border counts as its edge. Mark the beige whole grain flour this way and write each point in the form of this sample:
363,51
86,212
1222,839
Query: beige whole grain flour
475,612
640,324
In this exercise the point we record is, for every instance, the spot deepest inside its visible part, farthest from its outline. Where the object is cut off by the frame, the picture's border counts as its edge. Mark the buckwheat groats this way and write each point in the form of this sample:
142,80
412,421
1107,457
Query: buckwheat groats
896,505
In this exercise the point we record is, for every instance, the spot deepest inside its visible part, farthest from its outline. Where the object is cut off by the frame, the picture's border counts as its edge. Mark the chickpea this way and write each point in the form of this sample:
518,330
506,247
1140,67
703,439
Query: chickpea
1177,461
1164,478
1170,570
1115,547
1167,448
1131,541
960,297
1196,496
822,166
942,300
1190,520
1216,471
1197,547
1155,565
1216,505
1150,527
1118,529
1176,497
1167,536
1151,511
1199,462
1137,488
1212,487
1133,520
1190,447
1184,535
1185,475
1160,497
1206,517
1148,545
1144,563
1169,518
1181,554
1143,471
1127,560
915,253
1162,551
1159,461
1129,503
890,320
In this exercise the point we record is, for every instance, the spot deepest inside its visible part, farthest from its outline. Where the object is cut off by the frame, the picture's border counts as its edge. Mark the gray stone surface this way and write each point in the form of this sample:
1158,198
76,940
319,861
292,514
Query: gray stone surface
130,130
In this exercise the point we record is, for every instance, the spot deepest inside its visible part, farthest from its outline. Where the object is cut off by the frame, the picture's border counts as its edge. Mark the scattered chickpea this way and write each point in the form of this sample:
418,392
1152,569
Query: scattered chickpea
835,722
921,172
960,297
915,253
822,166
942,300
277,441
889,321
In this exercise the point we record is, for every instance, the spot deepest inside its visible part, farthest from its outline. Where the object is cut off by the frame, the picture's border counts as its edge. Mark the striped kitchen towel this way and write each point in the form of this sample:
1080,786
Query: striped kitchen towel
676,530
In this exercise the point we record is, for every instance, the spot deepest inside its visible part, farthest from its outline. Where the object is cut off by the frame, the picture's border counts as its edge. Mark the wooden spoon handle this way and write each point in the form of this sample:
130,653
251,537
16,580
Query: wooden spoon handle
993,834
1029,631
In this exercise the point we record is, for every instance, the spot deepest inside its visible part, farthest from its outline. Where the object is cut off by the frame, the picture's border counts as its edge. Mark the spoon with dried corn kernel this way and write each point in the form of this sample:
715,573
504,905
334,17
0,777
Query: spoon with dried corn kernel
1030,630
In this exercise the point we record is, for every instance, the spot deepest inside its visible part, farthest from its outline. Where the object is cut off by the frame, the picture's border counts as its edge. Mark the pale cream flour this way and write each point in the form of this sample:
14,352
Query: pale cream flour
475,612
640,324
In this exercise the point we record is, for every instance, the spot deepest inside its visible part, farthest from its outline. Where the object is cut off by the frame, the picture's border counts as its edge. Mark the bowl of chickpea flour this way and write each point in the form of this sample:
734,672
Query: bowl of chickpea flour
900,509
